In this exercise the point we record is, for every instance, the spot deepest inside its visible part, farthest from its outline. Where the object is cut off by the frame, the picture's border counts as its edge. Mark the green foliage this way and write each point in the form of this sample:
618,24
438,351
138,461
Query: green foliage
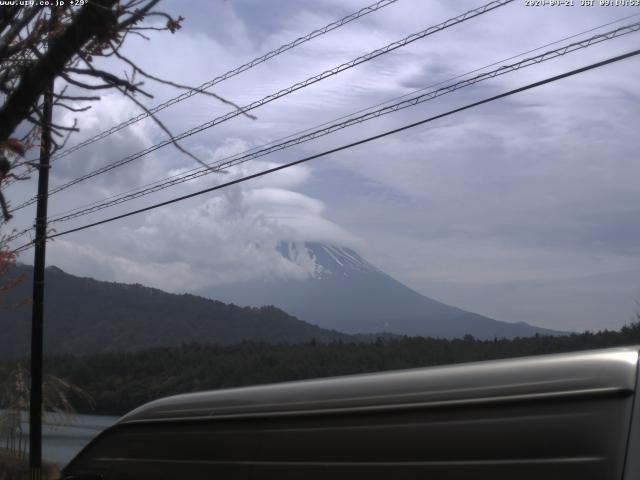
82,314
119,382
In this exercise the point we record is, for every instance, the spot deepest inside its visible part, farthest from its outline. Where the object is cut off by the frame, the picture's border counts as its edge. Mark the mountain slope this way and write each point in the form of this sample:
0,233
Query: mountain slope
83,315
345,292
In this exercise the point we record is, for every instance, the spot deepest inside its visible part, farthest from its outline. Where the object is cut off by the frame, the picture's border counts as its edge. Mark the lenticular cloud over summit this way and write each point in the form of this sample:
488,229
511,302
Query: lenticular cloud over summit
234,236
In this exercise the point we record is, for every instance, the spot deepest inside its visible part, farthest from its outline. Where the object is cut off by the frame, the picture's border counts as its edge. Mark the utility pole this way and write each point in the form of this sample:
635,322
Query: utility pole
35,405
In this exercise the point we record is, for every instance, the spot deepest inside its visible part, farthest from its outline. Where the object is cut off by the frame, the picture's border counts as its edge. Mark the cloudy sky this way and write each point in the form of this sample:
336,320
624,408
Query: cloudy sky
525,209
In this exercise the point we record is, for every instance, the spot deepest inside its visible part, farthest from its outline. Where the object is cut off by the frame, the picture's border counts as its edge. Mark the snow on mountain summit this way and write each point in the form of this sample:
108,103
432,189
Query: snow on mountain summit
342,291
321,260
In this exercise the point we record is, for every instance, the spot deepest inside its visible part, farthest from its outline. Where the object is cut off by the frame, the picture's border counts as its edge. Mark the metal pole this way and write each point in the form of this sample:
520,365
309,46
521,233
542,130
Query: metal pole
35,410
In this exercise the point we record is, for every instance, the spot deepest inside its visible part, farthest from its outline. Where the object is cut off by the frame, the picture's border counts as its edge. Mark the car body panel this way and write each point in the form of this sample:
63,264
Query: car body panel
554,416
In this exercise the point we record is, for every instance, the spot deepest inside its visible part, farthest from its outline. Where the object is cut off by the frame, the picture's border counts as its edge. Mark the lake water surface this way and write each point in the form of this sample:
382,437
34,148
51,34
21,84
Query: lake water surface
63,437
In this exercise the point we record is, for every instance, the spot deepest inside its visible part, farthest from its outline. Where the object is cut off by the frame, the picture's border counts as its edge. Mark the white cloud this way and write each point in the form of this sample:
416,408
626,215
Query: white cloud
551,174
227,238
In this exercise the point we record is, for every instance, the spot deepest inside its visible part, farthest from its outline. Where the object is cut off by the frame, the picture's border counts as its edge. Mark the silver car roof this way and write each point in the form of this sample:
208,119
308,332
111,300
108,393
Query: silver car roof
582,373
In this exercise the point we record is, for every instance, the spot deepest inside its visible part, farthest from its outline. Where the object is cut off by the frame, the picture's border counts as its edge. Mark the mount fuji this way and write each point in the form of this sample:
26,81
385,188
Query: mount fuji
344,292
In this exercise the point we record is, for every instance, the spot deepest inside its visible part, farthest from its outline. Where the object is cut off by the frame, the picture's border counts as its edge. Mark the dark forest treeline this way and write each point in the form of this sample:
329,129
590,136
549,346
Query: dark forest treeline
119,382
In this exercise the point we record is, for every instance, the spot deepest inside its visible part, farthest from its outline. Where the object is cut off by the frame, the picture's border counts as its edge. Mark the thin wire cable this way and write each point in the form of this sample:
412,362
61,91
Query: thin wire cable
17,235
298,133
10,182
196,172
231,73
236,160
274,96
220,78
349,145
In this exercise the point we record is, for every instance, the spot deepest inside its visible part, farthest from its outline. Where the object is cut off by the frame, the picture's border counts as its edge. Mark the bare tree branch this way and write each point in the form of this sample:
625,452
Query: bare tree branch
75,97
7,16
111,79
137,15
183,87
61,50
72,109
6,39
174,142
38,45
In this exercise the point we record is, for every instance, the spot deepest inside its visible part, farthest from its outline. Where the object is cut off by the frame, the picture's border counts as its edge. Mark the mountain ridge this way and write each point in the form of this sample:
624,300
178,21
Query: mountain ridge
84,315
345,292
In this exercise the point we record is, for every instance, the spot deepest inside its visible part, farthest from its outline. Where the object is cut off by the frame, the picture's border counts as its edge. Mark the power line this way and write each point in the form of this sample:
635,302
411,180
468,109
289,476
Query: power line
350,145
17,235
220,78
398,97
197,172
231,73
242,158
198,169
274,96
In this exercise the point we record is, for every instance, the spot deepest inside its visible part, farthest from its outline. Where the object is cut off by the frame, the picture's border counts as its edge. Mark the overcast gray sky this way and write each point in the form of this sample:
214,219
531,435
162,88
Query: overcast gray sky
525,209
